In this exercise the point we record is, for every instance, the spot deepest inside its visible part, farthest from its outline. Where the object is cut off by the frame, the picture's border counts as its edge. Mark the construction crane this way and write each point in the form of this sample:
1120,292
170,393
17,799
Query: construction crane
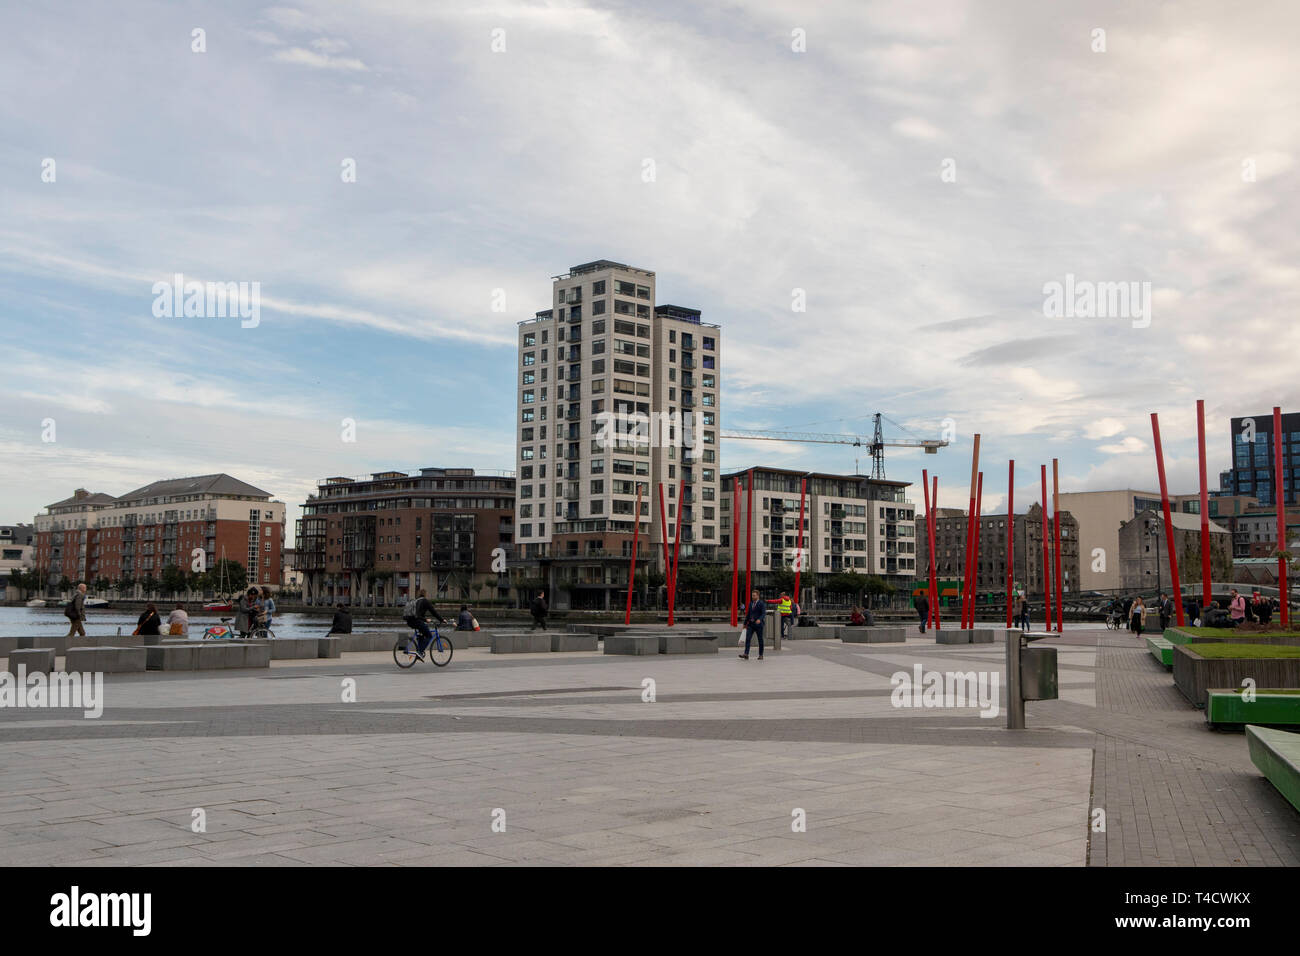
877,442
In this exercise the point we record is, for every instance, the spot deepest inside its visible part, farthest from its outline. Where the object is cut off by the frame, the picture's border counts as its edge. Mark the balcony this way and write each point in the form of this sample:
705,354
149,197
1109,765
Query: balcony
575,334
688,362
688,344
574,414
688,381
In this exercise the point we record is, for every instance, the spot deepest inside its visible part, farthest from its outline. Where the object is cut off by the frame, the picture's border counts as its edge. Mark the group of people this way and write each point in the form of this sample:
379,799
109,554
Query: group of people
1255,610
150,623
255,611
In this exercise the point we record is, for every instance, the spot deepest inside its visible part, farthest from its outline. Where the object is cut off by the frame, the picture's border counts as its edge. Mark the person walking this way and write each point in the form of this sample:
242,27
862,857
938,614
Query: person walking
539,609
268,605
784,608
1263,609
75,612
923,610
1236,608
1020,609
342,623
1166,610
755,615
1137,615
178,622
148,622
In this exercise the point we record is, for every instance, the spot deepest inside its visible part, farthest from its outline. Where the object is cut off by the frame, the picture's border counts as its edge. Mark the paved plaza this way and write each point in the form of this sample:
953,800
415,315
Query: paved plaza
558,759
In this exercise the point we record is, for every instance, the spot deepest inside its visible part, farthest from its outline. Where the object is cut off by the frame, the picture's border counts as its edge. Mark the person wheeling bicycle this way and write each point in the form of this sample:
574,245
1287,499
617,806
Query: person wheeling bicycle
415,612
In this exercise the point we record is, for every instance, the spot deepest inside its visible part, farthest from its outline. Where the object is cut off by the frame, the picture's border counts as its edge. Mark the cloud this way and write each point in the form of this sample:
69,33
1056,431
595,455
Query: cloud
302,57
1127,446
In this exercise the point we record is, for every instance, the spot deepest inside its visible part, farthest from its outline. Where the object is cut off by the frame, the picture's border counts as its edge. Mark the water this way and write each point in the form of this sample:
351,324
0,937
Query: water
50,622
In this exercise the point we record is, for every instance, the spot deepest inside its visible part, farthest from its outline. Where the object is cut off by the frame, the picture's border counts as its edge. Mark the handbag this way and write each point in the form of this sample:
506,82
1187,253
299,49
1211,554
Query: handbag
474,621
741,642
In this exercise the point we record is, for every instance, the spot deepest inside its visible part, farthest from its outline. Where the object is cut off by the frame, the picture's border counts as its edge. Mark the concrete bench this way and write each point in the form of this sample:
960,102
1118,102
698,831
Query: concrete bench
873,635
1162,650
207,655
574,642
524,642
1270,707
686,643
329,648
106,660
32,658
1277,754
637,645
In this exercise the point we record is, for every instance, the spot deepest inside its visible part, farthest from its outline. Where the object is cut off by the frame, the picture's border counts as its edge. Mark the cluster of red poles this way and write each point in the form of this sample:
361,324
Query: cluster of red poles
1051,539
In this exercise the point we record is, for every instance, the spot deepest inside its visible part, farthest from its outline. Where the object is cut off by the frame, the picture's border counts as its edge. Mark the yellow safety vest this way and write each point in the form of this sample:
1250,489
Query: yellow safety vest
784,606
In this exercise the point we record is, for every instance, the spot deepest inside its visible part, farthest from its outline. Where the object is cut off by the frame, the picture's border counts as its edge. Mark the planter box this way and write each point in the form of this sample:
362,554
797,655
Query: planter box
1162,650
1195,675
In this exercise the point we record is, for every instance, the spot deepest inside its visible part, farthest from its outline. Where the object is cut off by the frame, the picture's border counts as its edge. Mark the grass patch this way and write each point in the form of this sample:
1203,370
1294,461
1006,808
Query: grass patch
1243,651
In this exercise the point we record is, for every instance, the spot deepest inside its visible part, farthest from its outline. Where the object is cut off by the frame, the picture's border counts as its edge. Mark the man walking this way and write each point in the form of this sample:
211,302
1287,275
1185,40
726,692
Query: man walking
1166,611
539,608
923,610
76,612
1021,607
755,615
1237,608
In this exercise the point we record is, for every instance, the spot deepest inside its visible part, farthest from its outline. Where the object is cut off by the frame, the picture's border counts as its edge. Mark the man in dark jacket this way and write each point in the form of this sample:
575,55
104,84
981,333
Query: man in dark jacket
342,621
923,610
415,612
755,616
539,609
76,612
1166,611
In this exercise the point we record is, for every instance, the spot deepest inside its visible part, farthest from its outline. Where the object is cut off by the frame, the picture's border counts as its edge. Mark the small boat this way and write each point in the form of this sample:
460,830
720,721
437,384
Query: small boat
96,602
36,602
218,606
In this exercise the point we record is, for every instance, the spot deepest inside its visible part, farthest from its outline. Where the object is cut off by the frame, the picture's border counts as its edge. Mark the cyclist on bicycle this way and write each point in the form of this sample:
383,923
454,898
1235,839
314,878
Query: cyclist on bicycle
415,612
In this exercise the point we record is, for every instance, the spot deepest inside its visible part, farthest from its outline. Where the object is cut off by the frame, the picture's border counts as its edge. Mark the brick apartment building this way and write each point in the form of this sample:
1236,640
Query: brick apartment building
96,536
376,541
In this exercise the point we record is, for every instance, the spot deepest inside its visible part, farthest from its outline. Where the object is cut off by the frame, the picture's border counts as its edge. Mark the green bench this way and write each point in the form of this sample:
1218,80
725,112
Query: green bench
1162,649
1277,755
1270,707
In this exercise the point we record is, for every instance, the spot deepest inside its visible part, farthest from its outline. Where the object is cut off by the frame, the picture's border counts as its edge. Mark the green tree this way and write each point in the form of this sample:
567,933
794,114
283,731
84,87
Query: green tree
172,579
64,583
783,578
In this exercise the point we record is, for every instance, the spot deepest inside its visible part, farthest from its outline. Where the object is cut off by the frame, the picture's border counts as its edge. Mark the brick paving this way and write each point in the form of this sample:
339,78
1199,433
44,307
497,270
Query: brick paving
714,771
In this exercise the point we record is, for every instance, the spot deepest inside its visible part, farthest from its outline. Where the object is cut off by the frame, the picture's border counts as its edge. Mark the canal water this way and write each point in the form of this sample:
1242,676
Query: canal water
50,622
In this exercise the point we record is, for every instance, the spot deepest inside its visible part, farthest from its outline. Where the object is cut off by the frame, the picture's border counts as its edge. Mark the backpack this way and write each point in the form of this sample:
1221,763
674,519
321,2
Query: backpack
408,611
70,611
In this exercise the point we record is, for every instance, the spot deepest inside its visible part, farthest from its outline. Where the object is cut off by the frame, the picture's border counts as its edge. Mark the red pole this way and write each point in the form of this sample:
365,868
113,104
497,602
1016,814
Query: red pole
968,579
1056,545
749,535
975,575
735,544
1047,560
1011,538
934,596
663,529
1205,507
929,580
677,549
631,571
1283,598
803,488
1169,524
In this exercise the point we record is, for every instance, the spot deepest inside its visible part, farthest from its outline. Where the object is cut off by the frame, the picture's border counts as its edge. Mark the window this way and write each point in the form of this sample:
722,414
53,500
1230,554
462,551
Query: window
528,378
530,339
598,307
528,415
526,454
598,328
527,435
672,335
530,358
528,397
598,367
708,344
598,288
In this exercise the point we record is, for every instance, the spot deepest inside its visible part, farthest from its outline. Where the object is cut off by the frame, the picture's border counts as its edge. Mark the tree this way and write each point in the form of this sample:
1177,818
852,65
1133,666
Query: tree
783,578
232,574
173,579
64,583
149,583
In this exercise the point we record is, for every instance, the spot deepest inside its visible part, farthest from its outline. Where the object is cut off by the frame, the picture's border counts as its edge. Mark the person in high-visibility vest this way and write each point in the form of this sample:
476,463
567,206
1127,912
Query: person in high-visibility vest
785,607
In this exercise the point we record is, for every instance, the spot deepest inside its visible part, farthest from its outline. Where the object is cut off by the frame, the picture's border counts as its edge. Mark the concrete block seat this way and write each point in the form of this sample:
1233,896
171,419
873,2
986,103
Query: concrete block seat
1274,708
32,658
107,660
521,642
207,655
1277,755
635,645
1162,649
878,634
561,643
687,642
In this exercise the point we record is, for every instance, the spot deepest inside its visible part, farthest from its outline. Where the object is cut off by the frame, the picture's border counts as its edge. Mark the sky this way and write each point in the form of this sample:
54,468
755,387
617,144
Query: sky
871,198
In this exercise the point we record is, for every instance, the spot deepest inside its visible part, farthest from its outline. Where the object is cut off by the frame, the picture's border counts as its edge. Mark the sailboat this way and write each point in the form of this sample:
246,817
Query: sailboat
221,603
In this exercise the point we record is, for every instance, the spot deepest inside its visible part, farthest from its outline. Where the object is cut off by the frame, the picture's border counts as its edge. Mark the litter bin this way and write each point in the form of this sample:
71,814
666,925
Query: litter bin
1038,680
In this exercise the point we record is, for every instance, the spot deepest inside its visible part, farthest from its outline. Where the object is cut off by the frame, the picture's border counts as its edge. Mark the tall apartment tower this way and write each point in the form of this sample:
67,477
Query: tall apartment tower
605,358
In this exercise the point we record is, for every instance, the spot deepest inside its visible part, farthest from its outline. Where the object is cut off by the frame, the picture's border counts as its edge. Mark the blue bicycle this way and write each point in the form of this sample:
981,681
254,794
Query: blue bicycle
438,651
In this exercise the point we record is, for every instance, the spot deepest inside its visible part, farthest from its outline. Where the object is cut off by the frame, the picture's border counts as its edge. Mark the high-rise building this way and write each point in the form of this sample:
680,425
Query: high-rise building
614,394
377,541
1252,471
91,537
851,523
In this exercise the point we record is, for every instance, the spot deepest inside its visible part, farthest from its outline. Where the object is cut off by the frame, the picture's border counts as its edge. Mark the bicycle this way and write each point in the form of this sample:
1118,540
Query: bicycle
439,650
226,631
1113,620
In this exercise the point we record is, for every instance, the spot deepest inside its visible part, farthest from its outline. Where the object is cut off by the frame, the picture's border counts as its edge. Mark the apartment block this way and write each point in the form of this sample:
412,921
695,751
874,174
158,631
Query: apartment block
851,523
94,536
17,553
615,394
1253,469
378,540
991,564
